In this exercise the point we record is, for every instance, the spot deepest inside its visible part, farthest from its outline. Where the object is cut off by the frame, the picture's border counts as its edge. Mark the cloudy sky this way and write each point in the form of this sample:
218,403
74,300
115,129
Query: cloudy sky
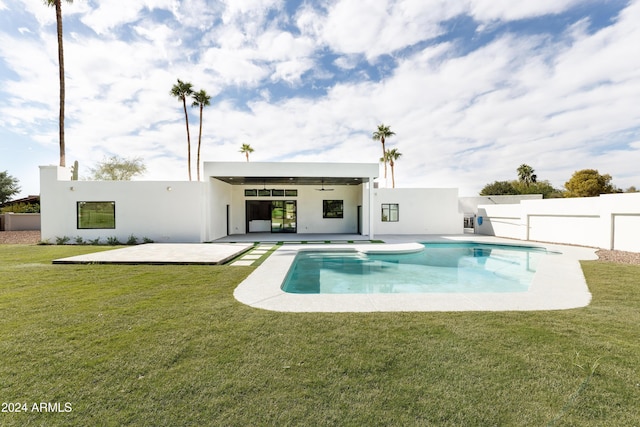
472,88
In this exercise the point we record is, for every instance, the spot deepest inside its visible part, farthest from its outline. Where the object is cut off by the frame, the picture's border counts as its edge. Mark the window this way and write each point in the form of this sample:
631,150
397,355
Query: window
96,215
332,209
390,212
253,192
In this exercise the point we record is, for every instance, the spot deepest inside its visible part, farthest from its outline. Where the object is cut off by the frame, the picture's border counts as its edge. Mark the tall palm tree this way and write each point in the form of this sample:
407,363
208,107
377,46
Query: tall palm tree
182,90
381,134
526,175
391,156
200,99
246,149
58,7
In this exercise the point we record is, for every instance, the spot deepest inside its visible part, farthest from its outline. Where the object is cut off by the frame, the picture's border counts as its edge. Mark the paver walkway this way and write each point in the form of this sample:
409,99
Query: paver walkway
255,256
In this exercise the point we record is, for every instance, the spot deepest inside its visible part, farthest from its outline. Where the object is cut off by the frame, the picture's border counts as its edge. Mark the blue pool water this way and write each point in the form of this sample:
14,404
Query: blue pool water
440,267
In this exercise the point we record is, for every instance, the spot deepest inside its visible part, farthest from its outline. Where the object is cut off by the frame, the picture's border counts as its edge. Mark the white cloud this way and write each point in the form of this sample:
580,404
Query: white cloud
461,118
111,14
507,10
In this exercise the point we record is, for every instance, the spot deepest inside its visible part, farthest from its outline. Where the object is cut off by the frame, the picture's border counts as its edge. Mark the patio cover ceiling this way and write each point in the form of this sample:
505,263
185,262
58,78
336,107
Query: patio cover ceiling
284,180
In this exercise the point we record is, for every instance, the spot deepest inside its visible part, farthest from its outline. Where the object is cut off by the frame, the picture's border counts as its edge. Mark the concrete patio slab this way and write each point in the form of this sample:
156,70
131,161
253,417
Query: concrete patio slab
163,253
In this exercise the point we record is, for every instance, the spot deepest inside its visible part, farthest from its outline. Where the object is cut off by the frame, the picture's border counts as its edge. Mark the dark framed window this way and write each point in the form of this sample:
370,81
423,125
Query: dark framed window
250,193
390,212
332,209
291,193
96,215
264,193
277,193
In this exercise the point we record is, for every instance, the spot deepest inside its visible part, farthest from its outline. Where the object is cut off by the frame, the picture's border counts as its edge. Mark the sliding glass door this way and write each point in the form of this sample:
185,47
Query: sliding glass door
283,216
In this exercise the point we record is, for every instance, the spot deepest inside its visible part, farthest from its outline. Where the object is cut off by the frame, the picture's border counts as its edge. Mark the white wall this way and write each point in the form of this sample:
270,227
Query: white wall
501,220
469,205
309,207
421,211
163,211
611,221
220,195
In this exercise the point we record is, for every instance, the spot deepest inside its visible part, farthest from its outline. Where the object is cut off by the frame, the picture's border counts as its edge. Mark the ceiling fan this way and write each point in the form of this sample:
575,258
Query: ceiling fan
324,189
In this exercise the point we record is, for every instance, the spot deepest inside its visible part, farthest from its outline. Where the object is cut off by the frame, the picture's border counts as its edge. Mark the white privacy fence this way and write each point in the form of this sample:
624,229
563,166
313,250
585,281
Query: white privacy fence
611,221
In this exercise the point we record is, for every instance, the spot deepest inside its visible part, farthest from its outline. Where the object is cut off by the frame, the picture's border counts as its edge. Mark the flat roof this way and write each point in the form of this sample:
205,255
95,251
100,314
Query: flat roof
293,173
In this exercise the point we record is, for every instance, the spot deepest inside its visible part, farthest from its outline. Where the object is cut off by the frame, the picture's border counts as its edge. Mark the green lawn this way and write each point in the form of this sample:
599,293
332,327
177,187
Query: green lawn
169,345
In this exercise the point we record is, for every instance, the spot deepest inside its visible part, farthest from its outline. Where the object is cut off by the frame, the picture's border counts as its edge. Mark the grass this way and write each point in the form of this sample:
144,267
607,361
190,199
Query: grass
169,345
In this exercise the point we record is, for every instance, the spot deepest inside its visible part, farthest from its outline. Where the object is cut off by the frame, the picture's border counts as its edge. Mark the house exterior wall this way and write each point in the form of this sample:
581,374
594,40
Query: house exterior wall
164,211
421,211
611,221
220,195
309,205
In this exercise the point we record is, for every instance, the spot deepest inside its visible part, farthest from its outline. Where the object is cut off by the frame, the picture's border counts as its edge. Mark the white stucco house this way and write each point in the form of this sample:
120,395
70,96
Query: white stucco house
244,198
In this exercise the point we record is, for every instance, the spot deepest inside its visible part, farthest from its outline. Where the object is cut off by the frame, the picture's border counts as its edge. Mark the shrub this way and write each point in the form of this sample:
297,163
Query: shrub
62,240
95,241
22,208
113,241
146,240
133,240
79,240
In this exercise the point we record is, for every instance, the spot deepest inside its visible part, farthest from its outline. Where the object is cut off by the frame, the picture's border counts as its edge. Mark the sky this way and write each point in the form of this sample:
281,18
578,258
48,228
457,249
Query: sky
471,88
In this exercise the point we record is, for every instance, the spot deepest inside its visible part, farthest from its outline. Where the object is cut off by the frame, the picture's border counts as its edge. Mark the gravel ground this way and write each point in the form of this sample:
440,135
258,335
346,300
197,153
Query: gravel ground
619,256
19,237
33,237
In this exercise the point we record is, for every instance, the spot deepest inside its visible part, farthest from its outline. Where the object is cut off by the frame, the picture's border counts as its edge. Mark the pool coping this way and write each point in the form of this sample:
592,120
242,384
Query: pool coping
558,284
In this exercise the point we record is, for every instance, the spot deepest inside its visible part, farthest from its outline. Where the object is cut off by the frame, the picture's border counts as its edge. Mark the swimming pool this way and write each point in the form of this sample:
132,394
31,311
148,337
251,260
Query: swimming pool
458,267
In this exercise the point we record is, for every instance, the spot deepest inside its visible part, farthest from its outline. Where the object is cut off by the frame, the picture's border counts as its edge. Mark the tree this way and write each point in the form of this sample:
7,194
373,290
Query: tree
526,175
631,189
58,6
391,156
499,188
588,183
381,134
182,90
200,99
8,186
246,149
116,168
539,187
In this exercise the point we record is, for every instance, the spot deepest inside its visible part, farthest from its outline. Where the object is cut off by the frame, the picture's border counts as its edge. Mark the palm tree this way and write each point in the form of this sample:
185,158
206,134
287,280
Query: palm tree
526,175
246,149
58,7
391,156
200,99
182,90
381,134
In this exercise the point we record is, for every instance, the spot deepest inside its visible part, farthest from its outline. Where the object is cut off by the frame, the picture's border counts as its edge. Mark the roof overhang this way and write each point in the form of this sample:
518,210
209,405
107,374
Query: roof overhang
289,173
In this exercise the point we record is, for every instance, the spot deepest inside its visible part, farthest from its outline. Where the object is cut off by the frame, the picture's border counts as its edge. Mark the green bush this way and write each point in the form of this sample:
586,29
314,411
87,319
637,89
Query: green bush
22,208
62,240
113,241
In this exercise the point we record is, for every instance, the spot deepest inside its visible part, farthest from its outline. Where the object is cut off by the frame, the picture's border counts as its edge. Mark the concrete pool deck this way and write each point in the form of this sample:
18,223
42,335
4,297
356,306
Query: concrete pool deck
557,285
